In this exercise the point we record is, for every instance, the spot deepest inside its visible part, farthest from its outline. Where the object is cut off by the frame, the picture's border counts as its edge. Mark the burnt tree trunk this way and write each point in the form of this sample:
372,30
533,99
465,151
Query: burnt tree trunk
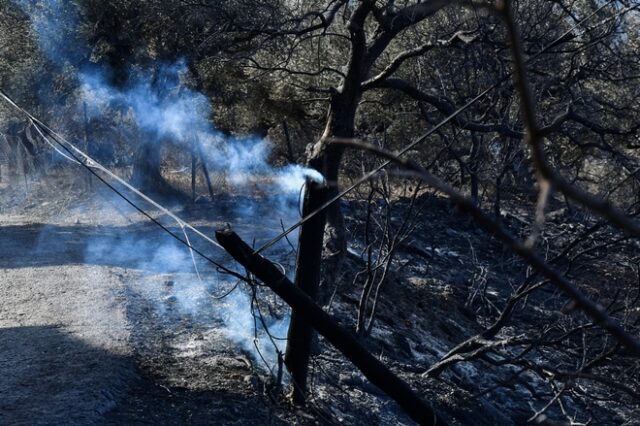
323,240
398,390
146,169
301,335
205,170
291,158
326,158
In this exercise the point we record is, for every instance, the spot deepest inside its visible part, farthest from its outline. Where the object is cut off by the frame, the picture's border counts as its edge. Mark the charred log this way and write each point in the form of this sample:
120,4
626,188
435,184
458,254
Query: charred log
397,389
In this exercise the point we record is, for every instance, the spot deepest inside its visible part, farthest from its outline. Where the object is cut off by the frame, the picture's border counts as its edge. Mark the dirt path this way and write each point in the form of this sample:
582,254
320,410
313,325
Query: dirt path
63,343
99,325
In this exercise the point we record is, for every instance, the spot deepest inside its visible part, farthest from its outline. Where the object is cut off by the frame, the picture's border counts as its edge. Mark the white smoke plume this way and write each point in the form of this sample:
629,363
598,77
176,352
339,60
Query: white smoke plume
163,107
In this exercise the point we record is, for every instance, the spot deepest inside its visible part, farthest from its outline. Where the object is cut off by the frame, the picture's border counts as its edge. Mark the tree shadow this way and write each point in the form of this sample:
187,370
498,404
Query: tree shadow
51,377
142,246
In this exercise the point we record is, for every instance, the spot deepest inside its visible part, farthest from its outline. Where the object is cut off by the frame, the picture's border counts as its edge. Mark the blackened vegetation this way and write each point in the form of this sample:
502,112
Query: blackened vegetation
512,336
488,267
315,317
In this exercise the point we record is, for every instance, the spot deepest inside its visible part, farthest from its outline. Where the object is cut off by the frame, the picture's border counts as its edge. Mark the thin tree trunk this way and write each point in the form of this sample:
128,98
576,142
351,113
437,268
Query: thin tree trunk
205,171
89,180
496,206
290,157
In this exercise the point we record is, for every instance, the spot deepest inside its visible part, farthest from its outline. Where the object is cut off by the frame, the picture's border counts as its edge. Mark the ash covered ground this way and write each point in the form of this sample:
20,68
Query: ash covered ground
103,320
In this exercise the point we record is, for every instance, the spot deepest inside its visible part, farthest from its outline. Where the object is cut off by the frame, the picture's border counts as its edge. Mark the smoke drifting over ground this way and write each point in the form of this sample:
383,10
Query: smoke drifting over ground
164,109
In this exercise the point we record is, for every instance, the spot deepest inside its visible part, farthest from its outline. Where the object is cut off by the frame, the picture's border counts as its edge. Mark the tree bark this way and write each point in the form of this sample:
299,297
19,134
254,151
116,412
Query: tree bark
326,158
205,170
146,169
287,137
419,410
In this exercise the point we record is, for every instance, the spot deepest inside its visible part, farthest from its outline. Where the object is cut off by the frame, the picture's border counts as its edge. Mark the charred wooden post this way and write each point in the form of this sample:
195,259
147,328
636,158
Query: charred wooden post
418,409
307,279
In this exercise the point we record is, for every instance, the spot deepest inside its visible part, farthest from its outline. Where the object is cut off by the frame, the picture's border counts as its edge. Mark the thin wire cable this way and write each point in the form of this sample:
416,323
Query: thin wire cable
55,148
428,133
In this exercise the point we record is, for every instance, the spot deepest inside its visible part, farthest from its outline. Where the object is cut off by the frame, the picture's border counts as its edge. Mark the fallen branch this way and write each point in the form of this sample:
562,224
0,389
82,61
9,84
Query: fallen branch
418,409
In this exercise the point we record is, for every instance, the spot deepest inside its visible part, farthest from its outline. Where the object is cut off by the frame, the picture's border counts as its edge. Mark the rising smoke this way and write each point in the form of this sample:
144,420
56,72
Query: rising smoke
164,108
